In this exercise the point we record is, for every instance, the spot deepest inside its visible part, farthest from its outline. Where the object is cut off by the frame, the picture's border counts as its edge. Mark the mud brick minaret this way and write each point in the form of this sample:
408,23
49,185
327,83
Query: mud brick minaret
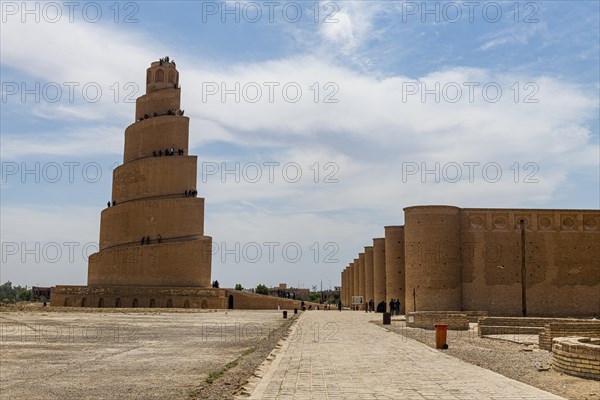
152,250
153,233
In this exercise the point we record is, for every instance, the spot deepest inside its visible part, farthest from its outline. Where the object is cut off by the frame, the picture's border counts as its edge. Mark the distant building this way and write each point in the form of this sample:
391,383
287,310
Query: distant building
289,293
37,292
331,296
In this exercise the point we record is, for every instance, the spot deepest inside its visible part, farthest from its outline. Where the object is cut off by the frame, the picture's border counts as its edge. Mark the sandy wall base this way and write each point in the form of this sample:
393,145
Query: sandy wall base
176,297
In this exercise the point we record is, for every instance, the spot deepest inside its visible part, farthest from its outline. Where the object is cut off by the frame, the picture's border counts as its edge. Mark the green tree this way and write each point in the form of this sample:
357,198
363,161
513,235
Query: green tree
238,286
11,293
24,294
262,289
315,297
7,292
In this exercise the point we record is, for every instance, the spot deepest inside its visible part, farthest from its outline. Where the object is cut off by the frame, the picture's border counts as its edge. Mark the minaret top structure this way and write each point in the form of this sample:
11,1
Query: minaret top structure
163,93
162,74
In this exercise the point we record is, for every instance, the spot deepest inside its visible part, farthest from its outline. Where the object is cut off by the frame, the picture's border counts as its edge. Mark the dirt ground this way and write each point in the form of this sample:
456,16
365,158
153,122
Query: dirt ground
72,353
513,360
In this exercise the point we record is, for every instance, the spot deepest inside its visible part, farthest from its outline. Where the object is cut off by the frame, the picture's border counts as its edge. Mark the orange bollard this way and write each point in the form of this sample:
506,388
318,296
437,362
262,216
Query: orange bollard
440,336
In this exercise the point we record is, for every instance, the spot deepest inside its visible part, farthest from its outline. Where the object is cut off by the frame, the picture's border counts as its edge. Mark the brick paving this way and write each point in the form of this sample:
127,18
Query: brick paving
340,355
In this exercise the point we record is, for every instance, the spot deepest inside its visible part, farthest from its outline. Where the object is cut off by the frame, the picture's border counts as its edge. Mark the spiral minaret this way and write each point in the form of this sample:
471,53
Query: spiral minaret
153,251
152,234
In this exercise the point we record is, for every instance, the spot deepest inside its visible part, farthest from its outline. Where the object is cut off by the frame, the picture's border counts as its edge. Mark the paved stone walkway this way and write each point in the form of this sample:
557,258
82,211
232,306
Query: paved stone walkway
340,355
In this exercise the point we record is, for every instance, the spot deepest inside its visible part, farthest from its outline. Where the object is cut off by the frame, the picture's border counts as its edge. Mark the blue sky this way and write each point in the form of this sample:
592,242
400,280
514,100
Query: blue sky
370,63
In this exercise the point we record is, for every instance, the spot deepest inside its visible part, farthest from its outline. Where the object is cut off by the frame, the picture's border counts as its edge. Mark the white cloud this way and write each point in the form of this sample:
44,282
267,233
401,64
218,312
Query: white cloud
91,140
519,34
47,244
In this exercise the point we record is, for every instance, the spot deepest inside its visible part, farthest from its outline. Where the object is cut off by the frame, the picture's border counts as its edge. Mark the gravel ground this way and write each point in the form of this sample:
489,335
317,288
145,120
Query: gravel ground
513,360
126,354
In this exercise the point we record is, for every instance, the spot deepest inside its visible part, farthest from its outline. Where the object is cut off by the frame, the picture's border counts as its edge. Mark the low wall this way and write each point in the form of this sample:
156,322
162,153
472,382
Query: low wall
565,329
475,316
252,301
150,297
144,297
456,320
577,356
516,325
